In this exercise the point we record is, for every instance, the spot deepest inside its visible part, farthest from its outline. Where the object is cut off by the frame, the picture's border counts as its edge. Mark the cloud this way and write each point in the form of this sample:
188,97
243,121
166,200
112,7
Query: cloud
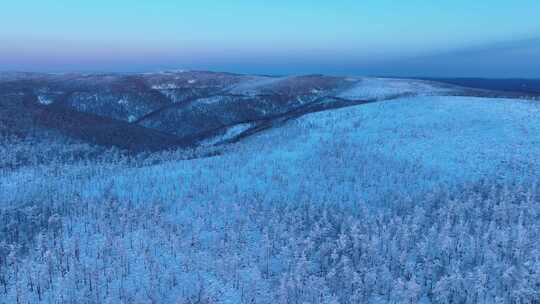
510,59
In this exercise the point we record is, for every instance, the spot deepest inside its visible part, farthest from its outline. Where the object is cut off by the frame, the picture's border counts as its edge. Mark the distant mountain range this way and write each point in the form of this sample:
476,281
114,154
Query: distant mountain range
155,111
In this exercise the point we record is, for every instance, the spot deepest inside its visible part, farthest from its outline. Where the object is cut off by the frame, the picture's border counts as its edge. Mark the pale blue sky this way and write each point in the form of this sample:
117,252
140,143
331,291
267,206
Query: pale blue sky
300,36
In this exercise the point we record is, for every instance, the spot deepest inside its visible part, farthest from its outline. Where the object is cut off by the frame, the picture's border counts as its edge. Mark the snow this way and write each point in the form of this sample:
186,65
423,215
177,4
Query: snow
165,86
44,100
407,145
210,100
12,182
192,81
361,87
253,85
211,226
383,88
444,140
230,133
173,71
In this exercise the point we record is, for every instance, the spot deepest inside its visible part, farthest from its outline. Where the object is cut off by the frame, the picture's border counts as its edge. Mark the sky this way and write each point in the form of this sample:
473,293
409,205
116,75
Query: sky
458,38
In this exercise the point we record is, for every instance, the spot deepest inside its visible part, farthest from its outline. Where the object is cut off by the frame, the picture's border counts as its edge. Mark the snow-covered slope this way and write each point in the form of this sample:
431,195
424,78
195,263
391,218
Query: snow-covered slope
439,129
359,153
409,144
190,105
285,210
410,139
385,88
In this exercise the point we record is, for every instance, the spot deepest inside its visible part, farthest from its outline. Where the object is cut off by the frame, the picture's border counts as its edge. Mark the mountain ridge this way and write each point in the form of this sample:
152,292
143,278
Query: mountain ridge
156,111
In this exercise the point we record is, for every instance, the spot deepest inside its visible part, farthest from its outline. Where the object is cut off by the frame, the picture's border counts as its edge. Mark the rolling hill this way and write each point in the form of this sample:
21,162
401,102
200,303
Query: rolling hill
230,188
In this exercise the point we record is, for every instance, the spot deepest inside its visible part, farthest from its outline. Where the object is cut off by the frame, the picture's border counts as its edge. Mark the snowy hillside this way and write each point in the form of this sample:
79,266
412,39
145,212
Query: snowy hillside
365,152
301,189
456,138
385,88
184,108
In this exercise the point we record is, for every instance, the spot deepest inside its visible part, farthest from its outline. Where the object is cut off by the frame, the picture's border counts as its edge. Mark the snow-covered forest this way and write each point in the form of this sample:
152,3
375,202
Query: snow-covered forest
411,200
